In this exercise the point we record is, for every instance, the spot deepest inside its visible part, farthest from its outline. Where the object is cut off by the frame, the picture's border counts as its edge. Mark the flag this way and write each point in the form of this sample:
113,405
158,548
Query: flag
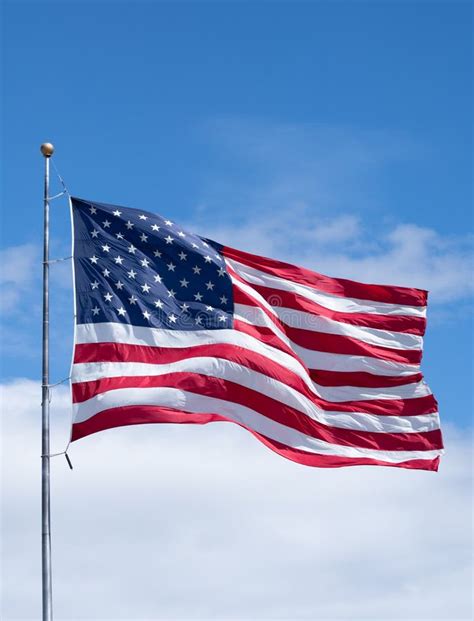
172,327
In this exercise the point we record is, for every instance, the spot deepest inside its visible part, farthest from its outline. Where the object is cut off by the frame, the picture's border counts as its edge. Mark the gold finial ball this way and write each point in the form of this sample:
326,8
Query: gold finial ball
47,149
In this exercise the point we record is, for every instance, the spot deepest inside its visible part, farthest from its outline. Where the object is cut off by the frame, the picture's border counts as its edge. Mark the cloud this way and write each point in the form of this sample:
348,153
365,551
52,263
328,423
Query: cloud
19,268
21,300
313,195
170,521
346,247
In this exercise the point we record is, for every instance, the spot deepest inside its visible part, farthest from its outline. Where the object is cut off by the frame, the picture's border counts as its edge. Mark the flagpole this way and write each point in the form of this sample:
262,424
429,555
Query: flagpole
47,150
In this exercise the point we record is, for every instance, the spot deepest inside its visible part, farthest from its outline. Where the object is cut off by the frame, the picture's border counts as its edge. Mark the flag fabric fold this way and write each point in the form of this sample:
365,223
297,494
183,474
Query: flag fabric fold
175,328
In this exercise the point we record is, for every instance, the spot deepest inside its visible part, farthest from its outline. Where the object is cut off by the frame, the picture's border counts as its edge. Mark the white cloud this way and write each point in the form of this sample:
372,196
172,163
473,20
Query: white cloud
309,194
170,521
20,266
405,255
186,522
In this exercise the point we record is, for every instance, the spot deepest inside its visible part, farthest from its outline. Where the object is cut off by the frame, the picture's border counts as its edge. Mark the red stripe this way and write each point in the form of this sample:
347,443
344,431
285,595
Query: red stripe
267,407
317,341
265,335
338,344
362,379
120,352
329,343
322,341
136,415
335,286
287,299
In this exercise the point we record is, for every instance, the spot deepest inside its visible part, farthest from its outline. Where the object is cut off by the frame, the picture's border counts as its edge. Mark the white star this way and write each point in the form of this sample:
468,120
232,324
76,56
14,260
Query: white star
106,272
106,248
199,319
95,233
142,217
117,213
207,259
119,235
221,271
107,297
157,278
218,257
205,245
171,293
209,285
222,318
118,260
181,234
169,239
94,260
146,288
119,285
146,314
95,310
196,269
145,262
95,284
168,223
92,209
133,300
209,308
157,253
185,307
184,282
172,318
131,274
183,256
106,224
155,227
129,225
143,237
194,245
121,311
171,267
223,299
158,304
198,297
132,249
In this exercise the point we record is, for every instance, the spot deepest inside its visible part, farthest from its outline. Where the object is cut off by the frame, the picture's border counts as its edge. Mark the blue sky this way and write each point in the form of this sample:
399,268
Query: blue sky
218,112
335,135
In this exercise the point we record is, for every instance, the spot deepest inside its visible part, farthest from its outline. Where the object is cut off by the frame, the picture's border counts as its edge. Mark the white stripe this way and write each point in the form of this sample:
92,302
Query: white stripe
156,337
332,302
231,371
314,359
126,333
317,323
253,293
326,361
339,394
191,402
332,394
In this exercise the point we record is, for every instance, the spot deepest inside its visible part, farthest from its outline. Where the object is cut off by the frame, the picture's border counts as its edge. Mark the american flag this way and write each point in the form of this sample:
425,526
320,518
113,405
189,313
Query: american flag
175,328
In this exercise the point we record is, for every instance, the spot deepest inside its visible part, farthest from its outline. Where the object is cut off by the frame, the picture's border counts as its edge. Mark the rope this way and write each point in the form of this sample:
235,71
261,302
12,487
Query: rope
57,260
50,398
49,386
66,379
52,198
69,463
65,190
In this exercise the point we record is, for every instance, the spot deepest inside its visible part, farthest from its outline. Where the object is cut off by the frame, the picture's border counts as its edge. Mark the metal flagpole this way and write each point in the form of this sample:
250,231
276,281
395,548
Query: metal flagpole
47,150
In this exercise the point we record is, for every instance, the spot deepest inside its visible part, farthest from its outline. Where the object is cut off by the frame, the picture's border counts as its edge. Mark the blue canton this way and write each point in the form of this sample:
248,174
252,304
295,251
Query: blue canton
137,268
